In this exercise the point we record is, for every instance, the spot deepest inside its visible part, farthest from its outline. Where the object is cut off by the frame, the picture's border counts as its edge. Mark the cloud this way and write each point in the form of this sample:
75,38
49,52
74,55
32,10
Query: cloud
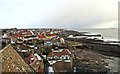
59,13
111,24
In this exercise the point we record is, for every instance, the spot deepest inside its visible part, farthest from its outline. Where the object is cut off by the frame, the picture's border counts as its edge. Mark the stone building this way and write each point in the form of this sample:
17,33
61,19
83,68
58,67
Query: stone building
11,61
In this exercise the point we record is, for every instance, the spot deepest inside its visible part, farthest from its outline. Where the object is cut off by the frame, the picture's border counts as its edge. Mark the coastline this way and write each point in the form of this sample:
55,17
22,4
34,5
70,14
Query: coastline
99,44
94,35
99,47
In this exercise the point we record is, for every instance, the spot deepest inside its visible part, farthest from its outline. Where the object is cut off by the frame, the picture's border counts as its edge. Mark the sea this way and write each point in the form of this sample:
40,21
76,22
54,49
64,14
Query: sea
109,33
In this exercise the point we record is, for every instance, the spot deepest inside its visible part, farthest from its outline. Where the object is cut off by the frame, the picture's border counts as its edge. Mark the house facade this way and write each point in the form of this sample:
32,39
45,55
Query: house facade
59,55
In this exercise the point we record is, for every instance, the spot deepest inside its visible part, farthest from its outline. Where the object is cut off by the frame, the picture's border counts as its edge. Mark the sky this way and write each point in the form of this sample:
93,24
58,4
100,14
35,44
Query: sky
59,13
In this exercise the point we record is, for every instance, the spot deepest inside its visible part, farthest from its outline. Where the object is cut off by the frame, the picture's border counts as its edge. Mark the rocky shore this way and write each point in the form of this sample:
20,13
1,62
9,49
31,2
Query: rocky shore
98,46
89,57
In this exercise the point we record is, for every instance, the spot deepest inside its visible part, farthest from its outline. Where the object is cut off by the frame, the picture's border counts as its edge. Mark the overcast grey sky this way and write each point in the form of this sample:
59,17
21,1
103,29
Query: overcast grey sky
59,13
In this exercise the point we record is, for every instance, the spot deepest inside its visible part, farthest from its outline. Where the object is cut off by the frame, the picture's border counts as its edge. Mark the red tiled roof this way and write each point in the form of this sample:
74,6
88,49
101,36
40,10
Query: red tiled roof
53,34
26,32
41,36
41,32
47,32
35,58
13,37
17,35
59,54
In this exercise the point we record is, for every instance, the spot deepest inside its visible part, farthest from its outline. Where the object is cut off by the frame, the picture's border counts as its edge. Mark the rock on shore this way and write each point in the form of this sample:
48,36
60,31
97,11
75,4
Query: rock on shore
97,46
88,58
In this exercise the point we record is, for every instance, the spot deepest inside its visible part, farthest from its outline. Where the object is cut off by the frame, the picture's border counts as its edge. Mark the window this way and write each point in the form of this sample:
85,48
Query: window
55,57
62,56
